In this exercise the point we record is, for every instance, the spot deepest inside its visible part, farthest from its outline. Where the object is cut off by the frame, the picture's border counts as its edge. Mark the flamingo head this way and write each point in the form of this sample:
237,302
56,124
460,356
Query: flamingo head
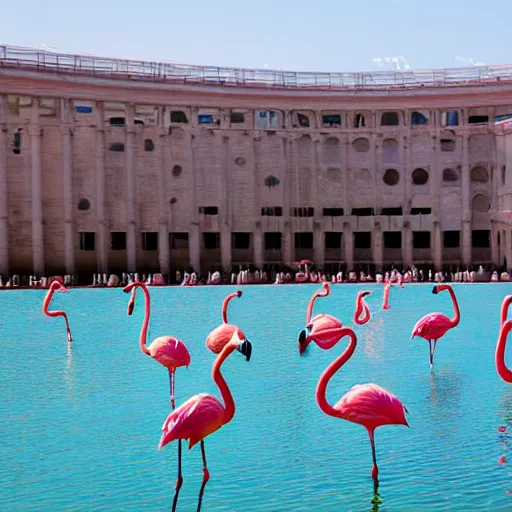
58,287
243,345
365,294
304,338
435,290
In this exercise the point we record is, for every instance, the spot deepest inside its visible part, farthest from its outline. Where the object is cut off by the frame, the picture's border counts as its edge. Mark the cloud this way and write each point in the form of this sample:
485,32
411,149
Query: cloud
468,61
398,63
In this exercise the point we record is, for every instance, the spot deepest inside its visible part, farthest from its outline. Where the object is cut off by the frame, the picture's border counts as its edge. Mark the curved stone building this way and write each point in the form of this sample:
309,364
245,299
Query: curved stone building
110,166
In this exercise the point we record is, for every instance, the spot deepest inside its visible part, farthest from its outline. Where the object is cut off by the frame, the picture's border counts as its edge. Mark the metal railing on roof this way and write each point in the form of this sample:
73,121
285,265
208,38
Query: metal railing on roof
48,61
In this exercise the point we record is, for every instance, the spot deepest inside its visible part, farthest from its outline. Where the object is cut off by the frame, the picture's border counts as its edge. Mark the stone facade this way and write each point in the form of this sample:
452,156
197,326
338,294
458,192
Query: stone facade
103,175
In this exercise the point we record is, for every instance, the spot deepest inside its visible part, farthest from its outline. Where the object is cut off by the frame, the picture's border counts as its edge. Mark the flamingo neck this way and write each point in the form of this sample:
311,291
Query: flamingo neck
229,404
145,322
322,293
456,318
361,308
504,308
47,300
501,367
329,372
225,305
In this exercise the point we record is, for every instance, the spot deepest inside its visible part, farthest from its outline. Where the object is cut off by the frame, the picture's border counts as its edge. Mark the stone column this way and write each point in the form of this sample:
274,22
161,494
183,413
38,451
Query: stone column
194,246
101,224
508,253
437,245
4,205
163,208
348,245
377,246
131,203
67,184
466,203
37,203
288,241
435,192
222,144
407,244
259,250
495,256
319,240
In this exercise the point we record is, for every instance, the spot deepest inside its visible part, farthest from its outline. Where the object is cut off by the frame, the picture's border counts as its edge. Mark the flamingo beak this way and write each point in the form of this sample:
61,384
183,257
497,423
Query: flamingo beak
303,336
365,294
245,348
434,290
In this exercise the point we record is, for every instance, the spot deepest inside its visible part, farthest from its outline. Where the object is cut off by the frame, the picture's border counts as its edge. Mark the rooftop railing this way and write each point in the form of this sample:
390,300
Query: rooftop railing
47,61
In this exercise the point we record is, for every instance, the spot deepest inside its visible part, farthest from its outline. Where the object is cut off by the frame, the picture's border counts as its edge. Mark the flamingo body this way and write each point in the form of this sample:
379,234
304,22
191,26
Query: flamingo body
322,329
193,420
432,326
169,352
371,406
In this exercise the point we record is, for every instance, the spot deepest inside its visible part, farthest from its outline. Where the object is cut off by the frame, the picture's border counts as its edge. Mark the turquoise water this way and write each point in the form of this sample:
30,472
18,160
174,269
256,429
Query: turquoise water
79,429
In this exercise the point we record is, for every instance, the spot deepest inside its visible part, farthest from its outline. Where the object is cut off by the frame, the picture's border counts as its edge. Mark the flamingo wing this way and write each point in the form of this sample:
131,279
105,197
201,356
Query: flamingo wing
194,419
371,405
431,326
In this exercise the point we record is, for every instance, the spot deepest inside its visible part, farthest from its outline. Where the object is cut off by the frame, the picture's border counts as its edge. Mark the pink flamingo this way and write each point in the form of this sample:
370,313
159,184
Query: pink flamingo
324,329
56,286
435,325
203,414
505,328
368,405
385,298
221,335
362,308
167,350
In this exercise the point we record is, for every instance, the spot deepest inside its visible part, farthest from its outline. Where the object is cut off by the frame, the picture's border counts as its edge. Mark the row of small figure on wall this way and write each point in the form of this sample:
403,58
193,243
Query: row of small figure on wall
303,272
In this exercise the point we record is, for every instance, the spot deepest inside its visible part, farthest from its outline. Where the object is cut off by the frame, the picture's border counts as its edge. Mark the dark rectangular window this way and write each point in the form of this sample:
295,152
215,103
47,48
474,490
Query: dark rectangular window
118,241
447,145
332,240
178,116
241,240
481,238
391,211
303,120
303,240
117,147
478,119
451,239
150,241
237,117
303,212
272,211
331,120
421,211
333,212
273,241
87,241
211,240
421,239
363,212
362,240
117,121
392,239
178,240
208,210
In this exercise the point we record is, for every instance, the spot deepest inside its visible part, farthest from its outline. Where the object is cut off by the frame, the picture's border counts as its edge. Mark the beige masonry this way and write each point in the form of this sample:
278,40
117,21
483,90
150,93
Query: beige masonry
112,175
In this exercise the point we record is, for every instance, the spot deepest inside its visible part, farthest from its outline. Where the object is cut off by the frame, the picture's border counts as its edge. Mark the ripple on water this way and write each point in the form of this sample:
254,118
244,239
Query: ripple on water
79,429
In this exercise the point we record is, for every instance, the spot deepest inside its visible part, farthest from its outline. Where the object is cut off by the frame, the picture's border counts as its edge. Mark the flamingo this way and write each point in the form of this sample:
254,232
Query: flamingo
505,327
56,286
167,350
325,329
368,405
203,414
385,296
217,339
435,325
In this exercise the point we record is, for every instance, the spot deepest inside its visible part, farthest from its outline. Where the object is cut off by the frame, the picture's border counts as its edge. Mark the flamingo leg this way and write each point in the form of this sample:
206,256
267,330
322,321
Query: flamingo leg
206,477
68,331
375,468
171,382
179,480
431,353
